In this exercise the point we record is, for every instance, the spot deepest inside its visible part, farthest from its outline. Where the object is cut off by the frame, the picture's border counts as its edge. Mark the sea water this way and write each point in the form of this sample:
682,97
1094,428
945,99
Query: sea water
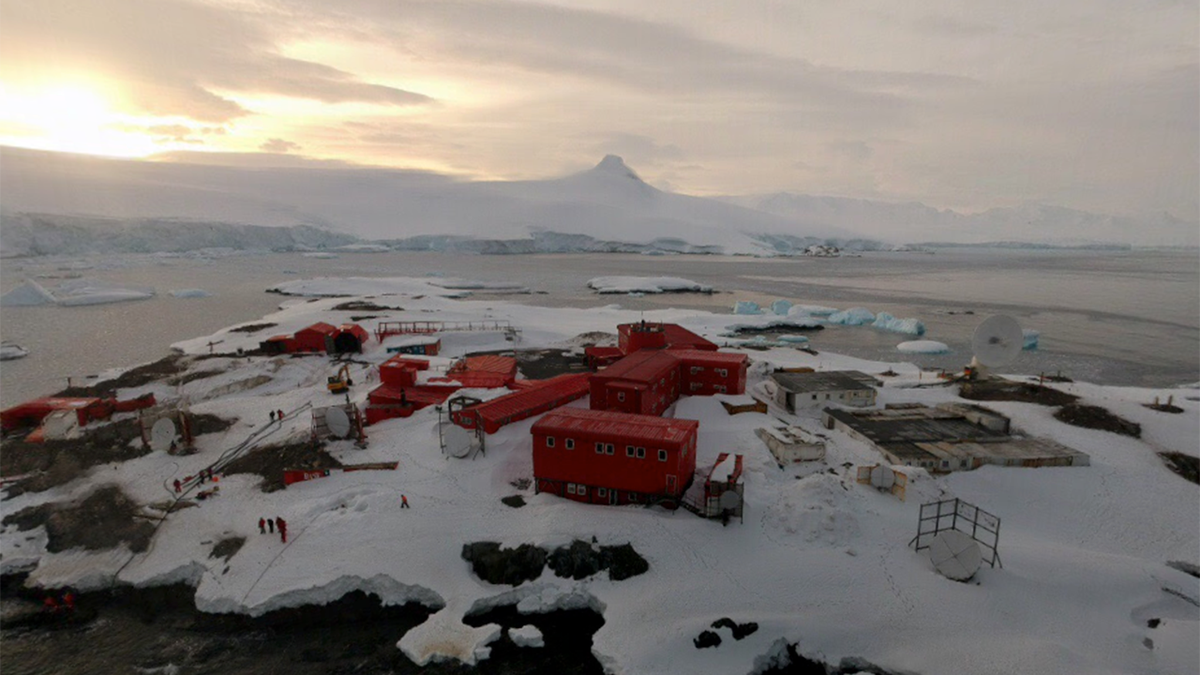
1111,317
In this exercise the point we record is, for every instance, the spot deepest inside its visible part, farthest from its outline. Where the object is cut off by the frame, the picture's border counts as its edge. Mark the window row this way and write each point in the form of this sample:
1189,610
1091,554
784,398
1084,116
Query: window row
610,449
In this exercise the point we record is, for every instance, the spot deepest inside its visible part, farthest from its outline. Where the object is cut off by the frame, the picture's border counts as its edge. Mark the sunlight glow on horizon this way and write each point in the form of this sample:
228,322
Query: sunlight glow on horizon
70,118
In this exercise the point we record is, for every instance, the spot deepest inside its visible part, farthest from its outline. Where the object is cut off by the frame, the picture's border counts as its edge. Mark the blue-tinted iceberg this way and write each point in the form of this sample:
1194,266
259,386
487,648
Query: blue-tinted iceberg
781,307
923,347
855,316
746,307
1031,338
885,321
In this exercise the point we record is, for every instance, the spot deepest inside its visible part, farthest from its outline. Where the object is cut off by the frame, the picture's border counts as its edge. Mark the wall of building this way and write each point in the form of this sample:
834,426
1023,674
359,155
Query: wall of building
643,473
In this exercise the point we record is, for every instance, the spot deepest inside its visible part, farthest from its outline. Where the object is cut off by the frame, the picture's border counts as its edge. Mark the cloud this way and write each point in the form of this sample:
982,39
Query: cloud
174,57
278,145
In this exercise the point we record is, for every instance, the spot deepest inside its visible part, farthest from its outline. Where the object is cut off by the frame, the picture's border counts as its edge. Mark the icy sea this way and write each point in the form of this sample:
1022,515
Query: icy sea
1110,317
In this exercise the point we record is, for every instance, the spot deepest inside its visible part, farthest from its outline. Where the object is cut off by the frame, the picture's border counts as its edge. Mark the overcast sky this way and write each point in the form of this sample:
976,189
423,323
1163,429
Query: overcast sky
1092,104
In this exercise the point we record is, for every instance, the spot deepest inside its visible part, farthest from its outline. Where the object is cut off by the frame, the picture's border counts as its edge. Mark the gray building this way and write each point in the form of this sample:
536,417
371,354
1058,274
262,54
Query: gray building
950,437
801,390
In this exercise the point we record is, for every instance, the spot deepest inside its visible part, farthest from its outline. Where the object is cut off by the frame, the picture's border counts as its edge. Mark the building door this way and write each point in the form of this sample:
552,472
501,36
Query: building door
671,485
612,496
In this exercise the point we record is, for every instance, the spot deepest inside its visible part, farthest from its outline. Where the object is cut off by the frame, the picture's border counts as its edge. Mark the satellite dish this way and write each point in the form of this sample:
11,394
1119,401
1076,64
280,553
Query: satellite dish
997,341
459,441
955,555
730,500
883,477
338,422
162,434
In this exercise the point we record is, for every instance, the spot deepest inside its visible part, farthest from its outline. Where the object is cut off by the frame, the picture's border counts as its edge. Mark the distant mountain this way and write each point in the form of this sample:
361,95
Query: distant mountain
605,208
913,222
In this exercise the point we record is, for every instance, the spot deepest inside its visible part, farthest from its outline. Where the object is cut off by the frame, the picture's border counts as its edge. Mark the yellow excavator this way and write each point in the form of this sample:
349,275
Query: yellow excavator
340,382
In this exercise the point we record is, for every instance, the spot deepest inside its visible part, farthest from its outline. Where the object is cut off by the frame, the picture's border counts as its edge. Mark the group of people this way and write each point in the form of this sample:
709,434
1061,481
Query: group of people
66,603
204,475
273,524
276,415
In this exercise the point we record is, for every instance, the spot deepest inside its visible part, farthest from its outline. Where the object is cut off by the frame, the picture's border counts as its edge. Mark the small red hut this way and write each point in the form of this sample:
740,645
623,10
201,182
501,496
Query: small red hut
313,338
607,457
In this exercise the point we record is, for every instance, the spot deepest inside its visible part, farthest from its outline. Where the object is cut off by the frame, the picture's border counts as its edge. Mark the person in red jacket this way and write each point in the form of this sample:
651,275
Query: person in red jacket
282,525
262,526
178,486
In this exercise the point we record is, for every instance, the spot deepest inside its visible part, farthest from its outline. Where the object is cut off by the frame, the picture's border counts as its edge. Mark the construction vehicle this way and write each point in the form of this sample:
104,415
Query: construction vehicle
340,382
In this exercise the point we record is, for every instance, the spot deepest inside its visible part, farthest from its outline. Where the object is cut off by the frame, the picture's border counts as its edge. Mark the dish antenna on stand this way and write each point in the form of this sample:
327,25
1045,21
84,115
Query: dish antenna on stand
997,341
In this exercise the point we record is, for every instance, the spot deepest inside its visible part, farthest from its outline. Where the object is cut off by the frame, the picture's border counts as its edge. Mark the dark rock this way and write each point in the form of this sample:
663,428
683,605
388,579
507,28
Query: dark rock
706,639
515,501
512,566
739,630
577,561
1153,623
624,562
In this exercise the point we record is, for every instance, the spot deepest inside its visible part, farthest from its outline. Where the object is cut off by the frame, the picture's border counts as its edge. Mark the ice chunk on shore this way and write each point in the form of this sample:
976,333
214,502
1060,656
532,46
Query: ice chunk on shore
1031,338
28,294
646,285
855,316
526,636
10,351
885,321
812,310
190,293
781,307
444,637
923,347
746,307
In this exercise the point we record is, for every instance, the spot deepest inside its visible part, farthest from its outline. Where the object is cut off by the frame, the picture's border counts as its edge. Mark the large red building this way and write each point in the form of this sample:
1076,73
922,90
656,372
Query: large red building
647,382
606,457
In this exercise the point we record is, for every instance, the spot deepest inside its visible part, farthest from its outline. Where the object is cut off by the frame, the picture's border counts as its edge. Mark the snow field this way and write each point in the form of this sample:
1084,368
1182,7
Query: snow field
820,560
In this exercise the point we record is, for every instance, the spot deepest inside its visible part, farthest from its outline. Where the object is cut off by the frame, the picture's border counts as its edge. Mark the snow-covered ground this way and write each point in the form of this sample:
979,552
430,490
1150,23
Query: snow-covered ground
820,560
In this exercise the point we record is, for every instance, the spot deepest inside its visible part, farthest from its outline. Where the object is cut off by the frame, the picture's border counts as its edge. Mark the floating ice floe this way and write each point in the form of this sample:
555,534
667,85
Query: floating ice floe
362,248
646,285
320,254
10,351
781,307
190,293
793,339
1031,338
81,292
28,294
885,321
746,307
923,347
855,316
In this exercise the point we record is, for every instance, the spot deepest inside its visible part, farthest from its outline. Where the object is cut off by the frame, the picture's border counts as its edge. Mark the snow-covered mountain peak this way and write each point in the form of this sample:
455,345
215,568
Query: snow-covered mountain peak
612,164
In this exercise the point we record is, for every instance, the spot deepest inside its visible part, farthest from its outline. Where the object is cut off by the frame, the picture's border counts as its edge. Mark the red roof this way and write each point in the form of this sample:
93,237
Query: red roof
384,394
521,404
356,329
640,366
679,337
706,357
320,327
484,372
624,425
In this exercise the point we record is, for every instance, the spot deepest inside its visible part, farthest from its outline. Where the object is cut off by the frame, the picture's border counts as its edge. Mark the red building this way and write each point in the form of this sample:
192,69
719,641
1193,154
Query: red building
484,372
606,457
532,398
632,337
349,338
313,338
705,373
644,383
31,413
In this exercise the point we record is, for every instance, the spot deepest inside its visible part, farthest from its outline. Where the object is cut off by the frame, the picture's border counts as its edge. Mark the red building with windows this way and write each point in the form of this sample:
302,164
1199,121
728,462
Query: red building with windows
605,457
647,382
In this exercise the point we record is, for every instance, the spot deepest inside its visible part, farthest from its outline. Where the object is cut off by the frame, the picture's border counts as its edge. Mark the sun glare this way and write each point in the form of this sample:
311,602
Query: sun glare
68,118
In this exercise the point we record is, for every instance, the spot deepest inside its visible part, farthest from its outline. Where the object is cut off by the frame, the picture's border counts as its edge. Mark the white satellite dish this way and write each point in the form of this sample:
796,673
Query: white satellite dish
338,422
162,434
459,441
729,500
997,341
955,555
883,477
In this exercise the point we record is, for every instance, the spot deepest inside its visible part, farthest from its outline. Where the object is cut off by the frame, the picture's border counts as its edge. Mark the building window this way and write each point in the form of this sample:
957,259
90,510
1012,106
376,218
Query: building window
570,488
963,464
549,441
697,369
695,386
722,372
601,493
599,448
662,455
641,453
945,464
609,449
720,388
569,443
633,497
621,396
629,451
581,490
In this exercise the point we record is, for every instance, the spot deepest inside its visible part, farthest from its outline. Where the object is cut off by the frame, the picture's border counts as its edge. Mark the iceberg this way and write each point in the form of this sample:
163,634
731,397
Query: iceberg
90,292
746,307
646,285
1031,338
781,307
855,316
793,339
885,321
10,351
28,294
190,293
923,347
